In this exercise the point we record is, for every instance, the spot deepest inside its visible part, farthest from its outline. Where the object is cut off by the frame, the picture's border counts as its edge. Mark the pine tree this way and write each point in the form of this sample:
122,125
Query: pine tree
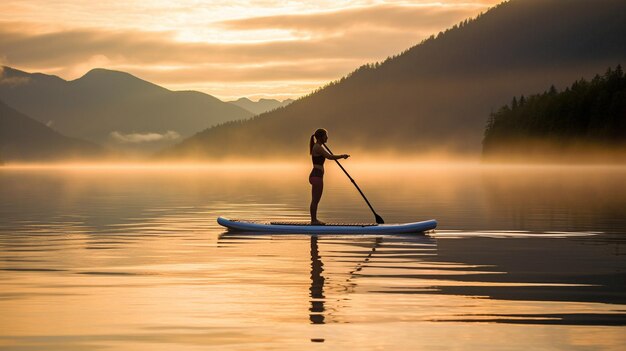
552,90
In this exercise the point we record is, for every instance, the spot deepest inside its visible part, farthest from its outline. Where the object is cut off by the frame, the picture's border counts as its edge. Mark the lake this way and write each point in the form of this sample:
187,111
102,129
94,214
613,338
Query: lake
131,257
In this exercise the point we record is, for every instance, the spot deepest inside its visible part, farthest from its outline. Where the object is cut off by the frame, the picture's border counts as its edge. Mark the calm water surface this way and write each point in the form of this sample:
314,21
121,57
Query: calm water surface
117,258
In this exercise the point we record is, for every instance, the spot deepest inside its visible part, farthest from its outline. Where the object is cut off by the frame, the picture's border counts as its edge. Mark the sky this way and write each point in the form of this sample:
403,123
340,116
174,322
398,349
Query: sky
229,49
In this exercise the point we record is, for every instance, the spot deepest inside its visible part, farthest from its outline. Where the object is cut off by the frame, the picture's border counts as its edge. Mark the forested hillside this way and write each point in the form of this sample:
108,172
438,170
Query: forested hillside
587,116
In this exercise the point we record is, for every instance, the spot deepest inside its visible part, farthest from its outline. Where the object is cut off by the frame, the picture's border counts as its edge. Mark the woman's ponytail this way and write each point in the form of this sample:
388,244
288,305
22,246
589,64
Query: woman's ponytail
311,145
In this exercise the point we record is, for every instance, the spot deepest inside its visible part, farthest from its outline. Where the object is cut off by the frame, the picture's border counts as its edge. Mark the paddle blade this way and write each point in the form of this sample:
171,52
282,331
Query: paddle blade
379,219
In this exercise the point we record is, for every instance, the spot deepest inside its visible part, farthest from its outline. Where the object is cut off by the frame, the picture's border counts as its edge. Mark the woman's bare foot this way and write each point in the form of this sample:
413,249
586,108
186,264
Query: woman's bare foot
317,222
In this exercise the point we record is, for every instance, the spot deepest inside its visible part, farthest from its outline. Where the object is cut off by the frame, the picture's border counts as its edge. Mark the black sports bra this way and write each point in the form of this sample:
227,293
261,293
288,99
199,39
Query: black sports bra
318,160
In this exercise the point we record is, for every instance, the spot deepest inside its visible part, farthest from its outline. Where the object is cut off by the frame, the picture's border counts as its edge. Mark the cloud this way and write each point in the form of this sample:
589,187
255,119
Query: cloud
350,33
385,16
77,46
320,70
136,138
310,47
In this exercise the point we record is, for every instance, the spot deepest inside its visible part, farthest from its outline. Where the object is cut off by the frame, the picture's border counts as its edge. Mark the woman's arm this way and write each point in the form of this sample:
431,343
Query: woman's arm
338,157
319,150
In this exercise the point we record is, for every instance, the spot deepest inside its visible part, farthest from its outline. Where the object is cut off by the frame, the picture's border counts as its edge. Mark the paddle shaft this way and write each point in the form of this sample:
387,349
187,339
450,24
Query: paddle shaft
379,219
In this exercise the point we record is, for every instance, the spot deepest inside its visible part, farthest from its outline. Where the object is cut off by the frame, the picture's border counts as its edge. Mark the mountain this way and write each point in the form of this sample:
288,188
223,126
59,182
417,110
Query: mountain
261,106
436,96
24,139
114,108
586,121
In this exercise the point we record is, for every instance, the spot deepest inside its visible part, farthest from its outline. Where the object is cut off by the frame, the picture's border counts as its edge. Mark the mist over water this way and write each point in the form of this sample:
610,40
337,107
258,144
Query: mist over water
131,258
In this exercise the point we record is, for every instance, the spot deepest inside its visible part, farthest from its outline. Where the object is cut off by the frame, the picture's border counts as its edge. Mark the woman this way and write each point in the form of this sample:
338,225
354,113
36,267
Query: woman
316,178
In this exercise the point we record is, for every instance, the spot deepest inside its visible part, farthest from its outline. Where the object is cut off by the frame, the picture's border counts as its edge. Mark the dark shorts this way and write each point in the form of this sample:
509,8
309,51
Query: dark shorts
316,177
316,172
316,180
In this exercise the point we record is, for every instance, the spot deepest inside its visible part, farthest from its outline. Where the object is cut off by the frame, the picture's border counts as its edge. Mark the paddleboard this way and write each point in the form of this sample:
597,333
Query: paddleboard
328,228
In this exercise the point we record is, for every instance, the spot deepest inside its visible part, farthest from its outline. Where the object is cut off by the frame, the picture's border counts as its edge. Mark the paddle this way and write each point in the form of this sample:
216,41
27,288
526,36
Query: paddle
379,219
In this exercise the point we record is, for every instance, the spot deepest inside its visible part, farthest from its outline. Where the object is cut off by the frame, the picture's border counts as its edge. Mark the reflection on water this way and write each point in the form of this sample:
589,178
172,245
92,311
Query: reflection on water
133,259
317,285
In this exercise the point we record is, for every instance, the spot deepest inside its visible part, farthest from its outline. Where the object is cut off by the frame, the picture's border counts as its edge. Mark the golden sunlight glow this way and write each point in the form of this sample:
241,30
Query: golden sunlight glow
247,43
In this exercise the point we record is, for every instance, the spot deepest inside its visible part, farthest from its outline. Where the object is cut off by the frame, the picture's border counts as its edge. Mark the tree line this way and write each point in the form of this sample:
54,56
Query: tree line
588,112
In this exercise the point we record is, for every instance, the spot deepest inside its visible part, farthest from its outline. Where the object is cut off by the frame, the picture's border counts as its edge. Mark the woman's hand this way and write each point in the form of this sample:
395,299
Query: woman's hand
345,156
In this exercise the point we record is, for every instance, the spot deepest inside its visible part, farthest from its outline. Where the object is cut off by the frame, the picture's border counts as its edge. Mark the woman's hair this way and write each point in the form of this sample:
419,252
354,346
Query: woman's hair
319,134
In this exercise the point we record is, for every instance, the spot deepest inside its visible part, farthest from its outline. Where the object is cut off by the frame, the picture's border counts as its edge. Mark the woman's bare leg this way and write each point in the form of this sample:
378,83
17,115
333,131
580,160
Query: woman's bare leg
316,196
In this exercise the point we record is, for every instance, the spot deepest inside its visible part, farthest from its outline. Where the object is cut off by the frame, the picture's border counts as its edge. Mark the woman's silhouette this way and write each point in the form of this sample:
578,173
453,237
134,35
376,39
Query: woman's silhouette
316,178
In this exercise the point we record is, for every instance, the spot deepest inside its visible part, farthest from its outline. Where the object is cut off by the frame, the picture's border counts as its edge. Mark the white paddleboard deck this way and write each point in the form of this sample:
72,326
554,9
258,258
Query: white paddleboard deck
328,228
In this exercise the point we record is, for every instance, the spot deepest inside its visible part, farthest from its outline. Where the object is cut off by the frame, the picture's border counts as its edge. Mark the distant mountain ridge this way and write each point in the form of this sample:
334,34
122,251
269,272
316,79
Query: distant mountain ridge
24,139
437,95
261,106
103,102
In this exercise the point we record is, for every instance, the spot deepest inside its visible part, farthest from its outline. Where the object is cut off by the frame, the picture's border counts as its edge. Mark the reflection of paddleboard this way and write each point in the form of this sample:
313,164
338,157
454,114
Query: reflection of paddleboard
328,228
